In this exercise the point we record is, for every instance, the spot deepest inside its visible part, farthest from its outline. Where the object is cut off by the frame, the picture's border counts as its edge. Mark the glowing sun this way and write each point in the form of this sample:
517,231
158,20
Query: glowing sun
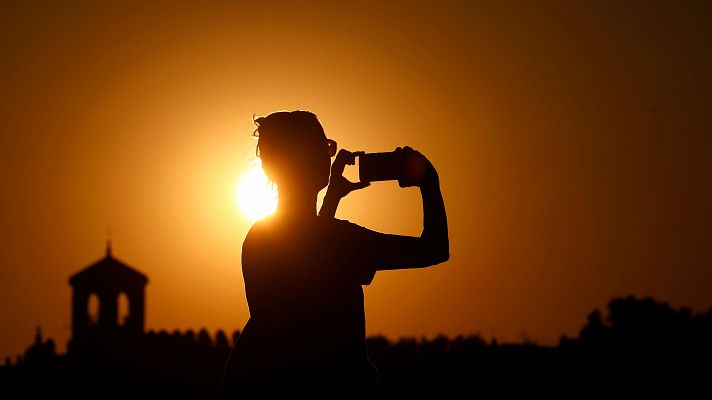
254,195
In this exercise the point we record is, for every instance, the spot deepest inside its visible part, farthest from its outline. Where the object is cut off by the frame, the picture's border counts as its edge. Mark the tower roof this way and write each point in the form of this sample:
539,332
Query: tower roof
108,271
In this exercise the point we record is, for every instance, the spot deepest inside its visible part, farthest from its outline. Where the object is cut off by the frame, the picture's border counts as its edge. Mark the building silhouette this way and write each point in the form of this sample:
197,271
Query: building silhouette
41,352
107,280
112,349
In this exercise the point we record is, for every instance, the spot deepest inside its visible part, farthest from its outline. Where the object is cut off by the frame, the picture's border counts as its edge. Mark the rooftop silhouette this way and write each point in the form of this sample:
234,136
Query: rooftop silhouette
107,279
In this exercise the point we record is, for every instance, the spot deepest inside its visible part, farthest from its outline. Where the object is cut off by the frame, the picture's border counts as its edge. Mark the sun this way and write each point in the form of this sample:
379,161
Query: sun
254,195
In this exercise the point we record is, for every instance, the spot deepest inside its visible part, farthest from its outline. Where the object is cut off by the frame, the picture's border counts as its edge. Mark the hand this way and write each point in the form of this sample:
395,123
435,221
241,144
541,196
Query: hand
417,169
338,185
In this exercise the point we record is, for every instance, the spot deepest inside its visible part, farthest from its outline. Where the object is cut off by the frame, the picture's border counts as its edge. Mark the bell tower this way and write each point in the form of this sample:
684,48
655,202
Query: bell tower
107,279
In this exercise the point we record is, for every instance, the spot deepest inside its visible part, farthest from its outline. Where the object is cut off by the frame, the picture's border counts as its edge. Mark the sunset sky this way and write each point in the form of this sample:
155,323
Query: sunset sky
573,142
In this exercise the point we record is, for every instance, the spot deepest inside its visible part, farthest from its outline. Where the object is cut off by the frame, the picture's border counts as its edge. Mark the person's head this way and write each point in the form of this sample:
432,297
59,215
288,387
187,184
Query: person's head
294,150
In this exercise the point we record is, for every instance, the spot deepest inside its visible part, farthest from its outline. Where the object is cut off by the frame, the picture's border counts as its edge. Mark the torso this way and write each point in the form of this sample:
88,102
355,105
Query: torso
303,286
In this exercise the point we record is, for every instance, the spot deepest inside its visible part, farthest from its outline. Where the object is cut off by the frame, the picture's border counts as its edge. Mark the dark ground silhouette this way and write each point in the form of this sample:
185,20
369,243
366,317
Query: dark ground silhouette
639,347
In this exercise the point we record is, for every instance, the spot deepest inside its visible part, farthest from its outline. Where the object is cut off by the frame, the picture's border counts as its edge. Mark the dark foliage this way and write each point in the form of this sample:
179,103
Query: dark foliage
640,347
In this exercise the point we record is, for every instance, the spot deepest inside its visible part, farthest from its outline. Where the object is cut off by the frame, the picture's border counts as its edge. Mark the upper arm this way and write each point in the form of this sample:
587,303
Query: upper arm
383,251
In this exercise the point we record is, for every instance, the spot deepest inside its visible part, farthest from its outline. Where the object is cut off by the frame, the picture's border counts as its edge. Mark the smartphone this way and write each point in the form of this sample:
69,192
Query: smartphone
380,166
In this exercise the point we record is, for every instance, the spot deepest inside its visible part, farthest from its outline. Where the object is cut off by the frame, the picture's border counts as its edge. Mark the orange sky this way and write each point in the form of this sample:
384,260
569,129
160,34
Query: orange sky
573,143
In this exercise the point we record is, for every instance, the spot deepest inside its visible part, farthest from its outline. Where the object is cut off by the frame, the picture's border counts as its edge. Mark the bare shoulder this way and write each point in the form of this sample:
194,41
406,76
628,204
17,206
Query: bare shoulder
257,232
340,222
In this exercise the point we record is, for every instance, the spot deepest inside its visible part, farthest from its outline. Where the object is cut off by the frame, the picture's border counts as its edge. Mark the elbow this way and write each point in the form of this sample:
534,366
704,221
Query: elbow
441,255
436,252
444,250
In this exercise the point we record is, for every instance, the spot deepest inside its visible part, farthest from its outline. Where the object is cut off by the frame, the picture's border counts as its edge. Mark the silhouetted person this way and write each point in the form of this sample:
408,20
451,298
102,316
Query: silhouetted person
303,272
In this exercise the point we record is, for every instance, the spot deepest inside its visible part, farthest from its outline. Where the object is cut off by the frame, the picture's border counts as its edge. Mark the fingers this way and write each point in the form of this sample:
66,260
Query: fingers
339,163
344,157
354,155
343,153
352,159
360,185
414,162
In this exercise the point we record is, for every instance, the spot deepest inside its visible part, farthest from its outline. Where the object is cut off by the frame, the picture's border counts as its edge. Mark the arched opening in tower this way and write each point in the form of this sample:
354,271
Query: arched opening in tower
123,311
93,309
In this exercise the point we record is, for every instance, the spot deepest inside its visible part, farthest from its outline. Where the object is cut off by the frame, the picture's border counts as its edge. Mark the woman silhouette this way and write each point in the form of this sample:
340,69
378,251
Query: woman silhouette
303,272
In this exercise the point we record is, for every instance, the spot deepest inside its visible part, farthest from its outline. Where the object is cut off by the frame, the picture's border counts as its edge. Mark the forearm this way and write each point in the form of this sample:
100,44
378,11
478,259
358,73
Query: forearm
329,205
435,232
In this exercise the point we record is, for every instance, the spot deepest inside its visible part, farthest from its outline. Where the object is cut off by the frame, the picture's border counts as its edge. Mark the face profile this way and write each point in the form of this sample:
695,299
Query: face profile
294,150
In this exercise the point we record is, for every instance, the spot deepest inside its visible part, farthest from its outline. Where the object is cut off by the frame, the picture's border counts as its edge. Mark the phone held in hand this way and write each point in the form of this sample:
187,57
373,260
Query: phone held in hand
404,167
380,166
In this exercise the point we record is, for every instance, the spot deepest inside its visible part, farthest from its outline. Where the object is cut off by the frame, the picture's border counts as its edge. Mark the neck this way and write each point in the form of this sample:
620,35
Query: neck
299,204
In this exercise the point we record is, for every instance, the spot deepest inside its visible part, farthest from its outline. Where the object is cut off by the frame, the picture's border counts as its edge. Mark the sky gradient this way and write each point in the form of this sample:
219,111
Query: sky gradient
573,142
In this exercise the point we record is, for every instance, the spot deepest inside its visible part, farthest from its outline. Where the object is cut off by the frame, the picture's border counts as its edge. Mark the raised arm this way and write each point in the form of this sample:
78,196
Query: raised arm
383,251
435,234
338,185
389,251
